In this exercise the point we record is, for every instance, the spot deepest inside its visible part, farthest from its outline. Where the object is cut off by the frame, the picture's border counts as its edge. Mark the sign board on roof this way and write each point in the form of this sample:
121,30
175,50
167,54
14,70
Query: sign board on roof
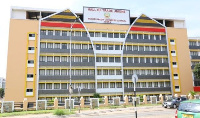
106,15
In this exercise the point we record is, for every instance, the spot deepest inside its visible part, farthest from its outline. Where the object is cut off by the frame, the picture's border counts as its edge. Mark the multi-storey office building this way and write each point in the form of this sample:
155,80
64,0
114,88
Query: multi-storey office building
98,50
194,46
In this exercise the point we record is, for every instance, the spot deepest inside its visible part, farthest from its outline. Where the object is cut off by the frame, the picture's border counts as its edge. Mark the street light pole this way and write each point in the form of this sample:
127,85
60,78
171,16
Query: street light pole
134,80
70,63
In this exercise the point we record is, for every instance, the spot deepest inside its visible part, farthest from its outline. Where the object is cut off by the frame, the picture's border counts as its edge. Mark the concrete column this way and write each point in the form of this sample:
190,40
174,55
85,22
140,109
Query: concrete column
105,101
56,103
82,102
126,100
25,104
144,99
161,98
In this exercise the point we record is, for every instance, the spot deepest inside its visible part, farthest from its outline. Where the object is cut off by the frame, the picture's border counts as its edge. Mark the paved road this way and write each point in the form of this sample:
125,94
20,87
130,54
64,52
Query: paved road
143,112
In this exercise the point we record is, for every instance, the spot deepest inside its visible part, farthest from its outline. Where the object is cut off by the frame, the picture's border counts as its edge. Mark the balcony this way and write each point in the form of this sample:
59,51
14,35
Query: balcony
109,90
108,64
145,52
75,38
53,50
146,41
109,76
148,89
195,57
65,91
194,47
107,39
92,63
148,77
145,64
66,77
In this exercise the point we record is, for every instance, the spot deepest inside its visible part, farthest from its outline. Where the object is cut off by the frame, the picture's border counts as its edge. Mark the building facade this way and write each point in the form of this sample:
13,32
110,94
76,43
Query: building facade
194,46
99,54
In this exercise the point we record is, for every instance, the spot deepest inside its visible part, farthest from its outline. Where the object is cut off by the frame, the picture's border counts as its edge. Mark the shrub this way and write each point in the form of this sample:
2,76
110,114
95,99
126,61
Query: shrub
59,112
96,95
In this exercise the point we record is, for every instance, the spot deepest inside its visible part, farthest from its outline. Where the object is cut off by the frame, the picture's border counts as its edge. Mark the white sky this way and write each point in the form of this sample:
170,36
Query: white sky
188,9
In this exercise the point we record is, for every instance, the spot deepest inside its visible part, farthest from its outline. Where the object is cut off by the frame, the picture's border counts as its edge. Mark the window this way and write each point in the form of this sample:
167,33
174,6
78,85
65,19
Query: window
104,34
77,72
112,84
122,35
84,46
152,48
98,72
175,76
143,84
57,45
192,43
135,48
134,36
165,60
147,48
177,88
173,53
77,46
105,85
131,85
193,53
151,37
149,84
146,36
64,86
64,45
161,84
99,85
105,72
29,75
42,45
116,35
118,72
140,36
91,72
57,32
110,35
126,84
158,48
138,84
160,72
167,84
155,84
31,48
92,85
63,72
77,33
174,64
117,59
29,90
166,72
104,47
50,59
42,72
91,34
49,72
84,34
56,59
118,84
42,58
49,86
111,72
111,59
159,60
64,59
110,47
164,48
49,45
42,32
117,47
163,37
64,33
157,37
97,34
30,61
50,32
41,86
129,47
105,59
98,47
141,48
84,72
56,72
98,59
56,86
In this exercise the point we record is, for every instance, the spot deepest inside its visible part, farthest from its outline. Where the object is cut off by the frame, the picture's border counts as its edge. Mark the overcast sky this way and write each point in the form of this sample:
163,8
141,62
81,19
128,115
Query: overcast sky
187,9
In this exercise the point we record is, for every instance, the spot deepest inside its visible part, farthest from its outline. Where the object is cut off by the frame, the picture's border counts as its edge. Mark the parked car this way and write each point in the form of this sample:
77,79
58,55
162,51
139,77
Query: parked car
188,109
174,102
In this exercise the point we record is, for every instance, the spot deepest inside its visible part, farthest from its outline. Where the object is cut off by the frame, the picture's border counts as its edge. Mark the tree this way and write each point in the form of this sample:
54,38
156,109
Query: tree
1,92
96,95
197,71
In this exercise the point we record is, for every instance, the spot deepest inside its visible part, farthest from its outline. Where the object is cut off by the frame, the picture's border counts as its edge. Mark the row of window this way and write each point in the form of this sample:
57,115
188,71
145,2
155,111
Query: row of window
102,34
66,46
194,53
195,62
65,59
103,72
103,59
194,43
102,85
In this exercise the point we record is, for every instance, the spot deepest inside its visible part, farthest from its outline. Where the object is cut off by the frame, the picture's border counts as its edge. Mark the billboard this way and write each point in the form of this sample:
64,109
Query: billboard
106,15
